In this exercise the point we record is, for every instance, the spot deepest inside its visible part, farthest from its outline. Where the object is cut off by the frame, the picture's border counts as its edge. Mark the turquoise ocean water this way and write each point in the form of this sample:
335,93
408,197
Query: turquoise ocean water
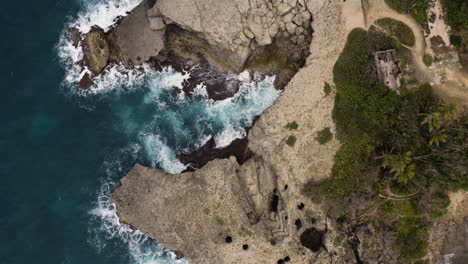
62,151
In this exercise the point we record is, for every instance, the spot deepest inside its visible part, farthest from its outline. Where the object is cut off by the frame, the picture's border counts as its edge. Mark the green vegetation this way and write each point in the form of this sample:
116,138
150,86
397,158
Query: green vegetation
393,145
411,238
292,125
324,135
427,59
398,208
397,29
457,18
417,8
291,141
327,89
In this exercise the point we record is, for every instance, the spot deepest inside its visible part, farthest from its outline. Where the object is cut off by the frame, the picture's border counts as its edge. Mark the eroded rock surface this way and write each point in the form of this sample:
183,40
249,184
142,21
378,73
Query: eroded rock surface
96,50
139,36
256,203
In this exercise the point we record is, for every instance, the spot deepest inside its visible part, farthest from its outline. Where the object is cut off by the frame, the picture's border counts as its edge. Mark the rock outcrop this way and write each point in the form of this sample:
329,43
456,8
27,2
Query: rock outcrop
231,213
232,35
139,36
96,50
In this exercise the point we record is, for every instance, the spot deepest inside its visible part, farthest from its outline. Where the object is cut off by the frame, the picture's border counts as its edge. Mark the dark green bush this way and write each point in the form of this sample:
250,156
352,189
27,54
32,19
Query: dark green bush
397,29
324,135
291,141
411,238
292,125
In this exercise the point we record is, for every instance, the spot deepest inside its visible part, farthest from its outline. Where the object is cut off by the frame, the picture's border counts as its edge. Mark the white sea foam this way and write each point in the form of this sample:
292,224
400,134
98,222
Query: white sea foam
102,13
140,247
239,111
232,115
160,154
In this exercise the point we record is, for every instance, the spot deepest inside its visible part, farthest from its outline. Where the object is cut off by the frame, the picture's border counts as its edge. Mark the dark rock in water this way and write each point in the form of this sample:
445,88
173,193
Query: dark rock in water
75,36
219,85
312,239
95,50
179,254
208,152
86,82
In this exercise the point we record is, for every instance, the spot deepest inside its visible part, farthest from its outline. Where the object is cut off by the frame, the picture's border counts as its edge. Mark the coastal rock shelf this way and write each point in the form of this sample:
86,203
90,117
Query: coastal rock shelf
246,211
269,37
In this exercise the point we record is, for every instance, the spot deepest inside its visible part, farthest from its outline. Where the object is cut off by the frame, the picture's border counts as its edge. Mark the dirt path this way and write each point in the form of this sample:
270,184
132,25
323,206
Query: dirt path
449,82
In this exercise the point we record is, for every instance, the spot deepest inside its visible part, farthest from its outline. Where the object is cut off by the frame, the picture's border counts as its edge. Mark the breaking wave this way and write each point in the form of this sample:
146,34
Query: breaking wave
157,122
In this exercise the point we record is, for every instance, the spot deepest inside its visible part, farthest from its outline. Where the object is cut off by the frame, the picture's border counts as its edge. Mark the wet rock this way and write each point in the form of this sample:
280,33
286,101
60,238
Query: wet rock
207,152
86,82
95,50
312,239
75,36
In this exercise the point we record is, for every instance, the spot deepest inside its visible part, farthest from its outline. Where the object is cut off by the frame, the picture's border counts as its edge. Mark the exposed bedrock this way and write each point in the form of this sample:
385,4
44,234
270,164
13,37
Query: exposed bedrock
230,35
247,210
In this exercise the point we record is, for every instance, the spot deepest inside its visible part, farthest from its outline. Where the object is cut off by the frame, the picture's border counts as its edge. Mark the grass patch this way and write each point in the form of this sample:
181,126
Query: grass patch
411,238
327,89
417,8
291,141
427,59
394,208
292,125
324,135
397,29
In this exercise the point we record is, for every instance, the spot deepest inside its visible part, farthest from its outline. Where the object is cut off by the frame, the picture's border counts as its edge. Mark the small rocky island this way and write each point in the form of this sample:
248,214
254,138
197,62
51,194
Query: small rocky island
300,188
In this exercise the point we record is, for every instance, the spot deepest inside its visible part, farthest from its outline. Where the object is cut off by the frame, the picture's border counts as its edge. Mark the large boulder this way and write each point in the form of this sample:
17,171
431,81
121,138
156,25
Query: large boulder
219,22
139,36
95,50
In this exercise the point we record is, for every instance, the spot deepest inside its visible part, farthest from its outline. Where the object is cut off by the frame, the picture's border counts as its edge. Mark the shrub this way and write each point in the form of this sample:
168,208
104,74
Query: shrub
394,208
291,141
292,125
327,89
397,29
427,59
324,135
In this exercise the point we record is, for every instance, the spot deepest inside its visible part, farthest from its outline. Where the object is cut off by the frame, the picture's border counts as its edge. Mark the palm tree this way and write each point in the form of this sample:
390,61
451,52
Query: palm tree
433,121
400,165
448,111
438,136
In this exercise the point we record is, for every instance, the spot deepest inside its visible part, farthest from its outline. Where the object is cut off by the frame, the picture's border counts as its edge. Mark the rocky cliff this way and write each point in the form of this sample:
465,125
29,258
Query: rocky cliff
254,212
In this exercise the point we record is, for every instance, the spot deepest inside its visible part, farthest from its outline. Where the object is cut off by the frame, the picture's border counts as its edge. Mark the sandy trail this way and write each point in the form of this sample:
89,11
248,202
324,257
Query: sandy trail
449,82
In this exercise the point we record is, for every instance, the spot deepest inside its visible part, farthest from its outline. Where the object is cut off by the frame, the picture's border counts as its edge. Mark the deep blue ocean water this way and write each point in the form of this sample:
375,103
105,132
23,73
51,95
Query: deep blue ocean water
62,151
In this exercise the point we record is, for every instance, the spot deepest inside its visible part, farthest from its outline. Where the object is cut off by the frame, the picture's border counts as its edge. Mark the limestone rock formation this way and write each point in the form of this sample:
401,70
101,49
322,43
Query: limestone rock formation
209,214
195,212
217,21
139,36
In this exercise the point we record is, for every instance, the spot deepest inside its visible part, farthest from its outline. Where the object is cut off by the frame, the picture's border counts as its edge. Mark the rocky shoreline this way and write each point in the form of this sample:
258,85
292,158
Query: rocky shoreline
248,205
249,208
